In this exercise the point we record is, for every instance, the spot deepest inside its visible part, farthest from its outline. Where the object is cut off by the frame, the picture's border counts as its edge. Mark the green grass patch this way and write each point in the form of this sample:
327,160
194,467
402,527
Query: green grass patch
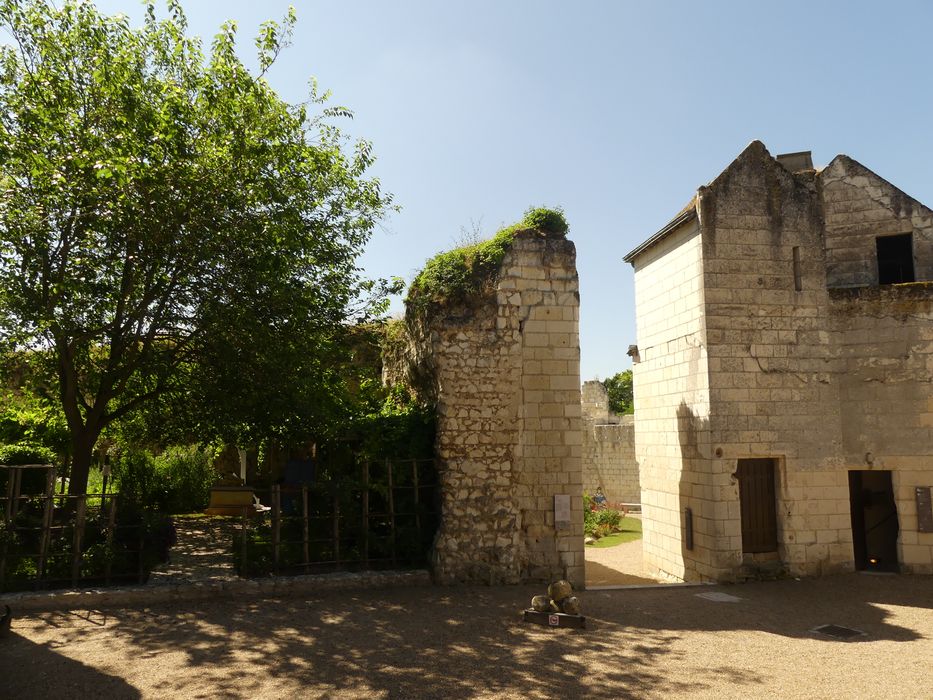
630,530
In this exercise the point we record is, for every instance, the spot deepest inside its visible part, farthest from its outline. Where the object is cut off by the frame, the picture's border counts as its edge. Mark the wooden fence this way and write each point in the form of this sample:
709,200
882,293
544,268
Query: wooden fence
383,517
51,539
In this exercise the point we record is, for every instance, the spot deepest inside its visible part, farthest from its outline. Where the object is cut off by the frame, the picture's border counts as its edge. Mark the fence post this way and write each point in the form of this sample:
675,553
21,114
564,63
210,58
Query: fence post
389,468
244,536
8,515
46,523
142,548
414,480
366,513
306,558
7,530
111,523
276,525
17,477
336,529
76,542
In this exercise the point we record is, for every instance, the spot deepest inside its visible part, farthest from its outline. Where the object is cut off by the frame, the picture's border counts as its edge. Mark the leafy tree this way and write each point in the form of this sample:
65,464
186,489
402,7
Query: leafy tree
31,418
169,227
621,395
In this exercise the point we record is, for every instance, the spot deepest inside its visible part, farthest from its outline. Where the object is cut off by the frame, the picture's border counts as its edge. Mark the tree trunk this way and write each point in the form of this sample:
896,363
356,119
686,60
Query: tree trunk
82,456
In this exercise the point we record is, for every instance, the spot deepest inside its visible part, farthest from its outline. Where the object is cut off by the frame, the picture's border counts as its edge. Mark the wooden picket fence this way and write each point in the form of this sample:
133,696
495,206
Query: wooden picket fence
69,520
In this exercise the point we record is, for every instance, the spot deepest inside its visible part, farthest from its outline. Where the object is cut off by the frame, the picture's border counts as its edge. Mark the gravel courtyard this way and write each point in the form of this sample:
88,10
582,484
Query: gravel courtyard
452,643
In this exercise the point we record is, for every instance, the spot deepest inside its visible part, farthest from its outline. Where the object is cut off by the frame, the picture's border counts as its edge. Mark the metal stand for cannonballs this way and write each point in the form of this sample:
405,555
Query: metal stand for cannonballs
549,619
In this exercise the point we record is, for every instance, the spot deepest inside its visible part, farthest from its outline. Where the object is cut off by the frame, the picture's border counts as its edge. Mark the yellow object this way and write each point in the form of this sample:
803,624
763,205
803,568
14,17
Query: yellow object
231,500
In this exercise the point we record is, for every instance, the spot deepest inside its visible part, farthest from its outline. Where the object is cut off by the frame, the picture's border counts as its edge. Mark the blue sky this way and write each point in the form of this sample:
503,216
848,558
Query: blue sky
615,111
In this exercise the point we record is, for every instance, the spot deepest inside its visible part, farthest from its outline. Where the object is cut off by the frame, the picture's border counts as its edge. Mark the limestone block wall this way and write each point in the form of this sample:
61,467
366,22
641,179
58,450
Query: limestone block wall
507,377
772,356
672,401
886,398
595,402
821,380
859,207
802,376
608,448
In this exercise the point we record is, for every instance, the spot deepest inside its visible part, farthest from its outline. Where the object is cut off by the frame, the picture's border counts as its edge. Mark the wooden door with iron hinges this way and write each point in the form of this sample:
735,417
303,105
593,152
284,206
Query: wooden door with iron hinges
757,502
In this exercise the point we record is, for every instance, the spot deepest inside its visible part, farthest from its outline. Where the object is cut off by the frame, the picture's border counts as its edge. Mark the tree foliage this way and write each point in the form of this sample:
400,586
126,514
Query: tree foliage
30,412
169,227
621,393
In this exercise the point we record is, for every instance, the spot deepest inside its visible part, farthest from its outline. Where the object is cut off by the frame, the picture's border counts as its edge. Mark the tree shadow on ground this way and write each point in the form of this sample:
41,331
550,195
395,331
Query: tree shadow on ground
421,643
467,642
30,670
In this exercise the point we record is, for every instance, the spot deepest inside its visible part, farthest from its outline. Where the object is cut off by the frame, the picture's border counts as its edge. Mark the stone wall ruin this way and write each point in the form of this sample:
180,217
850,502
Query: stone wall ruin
504,369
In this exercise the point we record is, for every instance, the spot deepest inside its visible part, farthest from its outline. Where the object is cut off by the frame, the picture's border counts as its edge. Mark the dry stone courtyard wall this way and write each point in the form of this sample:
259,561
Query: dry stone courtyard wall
608,448
506,374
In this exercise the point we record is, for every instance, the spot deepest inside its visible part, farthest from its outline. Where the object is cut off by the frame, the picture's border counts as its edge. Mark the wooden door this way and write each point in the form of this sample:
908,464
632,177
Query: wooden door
757,502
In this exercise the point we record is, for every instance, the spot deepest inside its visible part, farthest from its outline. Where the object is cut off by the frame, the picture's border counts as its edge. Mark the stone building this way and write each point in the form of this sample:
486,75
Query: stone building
783,403
608,448
504,370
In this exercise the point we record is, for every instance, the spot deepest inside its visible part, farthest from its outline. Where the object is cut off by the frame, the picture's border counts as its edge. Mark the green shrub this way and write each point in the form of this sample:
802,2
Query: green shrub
599,523
609,517
176,481
34,480
589,517
546,220
26,453
188,474
602,530
138,479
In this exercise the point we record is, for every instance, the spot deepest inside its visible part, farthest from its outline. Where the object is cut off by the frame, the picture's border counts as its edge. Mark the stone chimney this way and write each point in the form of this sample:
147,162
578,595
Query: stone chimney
795,162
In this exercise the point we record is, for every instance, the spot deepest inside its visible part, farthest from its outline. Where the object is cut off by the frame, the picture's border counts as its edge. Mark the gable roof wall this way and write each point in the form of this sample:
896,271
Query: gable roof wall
910,213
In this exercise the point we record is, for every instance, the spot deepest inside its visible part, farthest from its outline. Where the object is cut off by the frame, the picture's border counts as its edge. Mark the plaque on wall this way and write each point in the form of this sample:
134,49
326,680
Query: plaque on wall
561,511
924,509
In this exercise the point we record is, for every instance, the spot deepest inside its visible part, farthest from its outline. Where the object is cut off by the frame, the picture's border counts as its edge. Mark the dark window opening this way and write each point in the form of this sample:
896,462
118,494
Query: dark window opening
895,259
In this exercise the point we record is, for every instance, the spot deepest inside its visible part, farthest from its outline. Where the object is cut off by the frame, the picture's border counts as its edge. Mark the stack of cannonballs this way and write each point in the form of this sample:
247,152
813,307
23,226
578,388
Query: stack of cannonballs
559,599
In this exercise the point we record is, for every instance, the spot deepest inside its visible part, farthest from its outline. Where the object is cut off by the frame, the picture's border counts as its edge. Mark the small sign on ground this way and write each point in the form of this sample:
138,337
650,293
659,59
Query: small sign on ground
554,619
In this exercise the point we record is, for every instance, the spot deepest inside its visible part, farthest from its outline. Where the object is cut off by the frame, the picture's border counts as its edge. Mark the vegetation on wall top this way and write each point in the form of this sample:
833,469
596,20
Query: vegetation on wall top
459,275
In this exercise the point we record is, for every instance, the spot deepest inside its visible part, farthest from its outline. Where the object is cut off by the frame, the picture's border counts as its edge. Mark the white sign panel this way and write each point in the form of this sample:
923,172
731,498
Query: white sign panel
561,511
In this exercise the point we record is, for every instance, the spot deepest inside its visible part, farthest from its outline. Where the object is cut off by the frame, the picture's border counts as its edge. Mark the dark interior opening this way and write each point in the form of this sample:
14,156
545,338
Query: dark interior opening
895,259
874,520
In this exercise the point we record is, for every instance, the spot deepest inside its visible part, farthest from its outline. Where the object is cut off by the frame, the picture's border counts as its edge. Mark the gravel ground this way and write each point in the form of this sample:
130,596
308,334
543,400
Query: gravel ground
470,642
620,565
202,551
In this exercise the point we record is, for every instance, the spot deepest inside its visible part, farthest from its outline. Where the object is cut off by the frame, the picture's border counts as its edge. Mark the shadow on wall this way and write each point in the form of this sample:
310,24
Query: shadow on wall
695,476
